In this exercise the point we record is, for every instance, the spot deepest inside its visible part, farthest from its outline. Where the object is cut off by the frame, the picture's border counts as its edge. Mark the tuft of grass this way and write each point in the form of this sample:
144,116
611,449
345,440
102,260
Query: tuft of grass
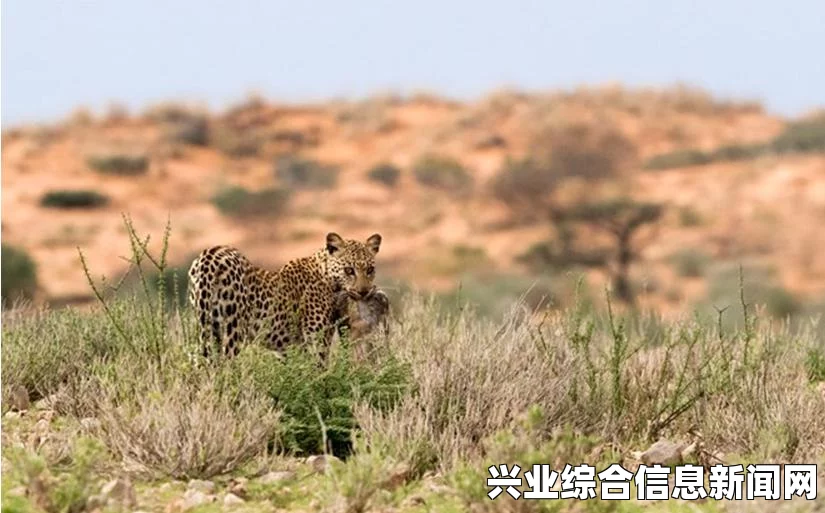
295,172
119,164
18,278
385,174
73,199
239,202
443,173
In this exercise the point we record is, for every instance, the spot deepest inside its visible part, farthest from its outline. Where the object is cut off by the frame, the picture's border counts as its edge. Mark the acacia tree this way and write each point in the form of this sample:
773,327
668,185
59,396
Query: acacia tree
622,218
532,188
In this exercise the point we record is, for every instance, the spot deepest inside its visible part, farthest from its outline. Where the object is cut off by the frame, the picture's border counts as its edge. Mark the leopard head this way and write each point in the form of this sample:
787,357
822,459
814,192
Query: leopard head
351,264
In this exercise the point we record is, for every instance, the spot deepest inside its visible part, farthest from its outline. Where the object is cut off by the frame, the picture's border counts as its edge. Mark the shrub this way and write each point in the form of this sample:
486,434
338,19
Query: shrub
781,303
525,185
239,202
386,174
689,217
318,406
802,136
123,165
679,158
305,174
442,173
236,143
584,151
192,130
73,199
690,263
19,274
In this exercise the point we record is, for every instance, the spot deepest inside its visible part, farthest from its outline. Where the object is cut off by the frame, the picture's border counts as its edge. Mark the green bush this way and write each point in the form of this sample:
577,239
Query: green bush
238,202
123,165
781,303
295,172
236,143
317,405
19,274
442,173
679,158
527,183
386,174
802,136
690,263
689,217
192,130
73,199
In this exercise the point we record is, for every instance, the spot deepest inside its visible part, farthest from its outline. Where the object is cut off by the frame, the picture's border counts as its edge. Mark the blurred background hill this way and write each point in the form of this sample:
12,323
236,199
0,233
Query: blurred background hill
597,162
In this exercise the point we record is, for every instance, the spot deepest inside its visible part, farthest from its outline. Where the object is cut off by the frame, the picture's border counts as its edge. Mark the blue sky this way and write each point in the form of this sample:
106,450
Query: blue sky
57,55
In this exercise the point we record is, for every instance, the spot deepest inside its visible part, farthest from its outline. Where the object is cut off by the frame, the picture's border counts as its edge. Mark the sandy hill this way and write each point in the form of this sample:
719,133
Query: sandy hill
172,161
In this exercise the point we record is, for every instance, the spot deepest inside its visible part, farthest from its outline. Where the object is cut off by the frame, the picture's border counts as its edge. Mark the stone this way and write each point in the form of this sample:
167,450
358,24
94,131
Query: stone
320,462
230,499
194,498
276,476
663,452
201,486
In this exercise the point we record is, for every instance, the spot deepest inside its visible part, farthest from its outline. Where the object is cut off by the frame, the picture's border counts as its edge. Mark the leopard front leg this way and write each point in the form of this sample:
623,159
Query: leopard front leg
317,325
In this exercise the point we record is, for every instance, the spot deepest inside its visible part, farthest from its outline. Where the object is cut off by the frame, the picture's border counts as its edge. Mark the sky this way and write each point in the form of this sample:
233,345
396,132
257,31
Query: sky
58,55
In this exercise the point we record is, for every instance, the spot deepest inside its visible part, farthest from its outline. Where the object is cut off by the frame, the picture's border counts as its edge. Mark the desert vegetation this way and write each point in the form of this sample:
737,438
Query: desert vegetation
103,406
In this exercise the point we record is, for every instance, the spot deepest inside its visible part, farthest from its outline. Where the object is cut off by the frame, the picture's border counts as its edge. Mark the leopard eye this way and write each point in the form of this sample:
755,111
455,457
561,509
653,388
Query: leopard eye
349,271
370,270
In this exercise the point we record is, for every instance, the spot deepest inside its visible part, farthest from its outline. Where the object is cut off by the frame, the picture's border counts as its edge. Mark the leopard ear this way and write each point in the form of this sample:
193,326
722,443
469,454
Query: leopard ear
374,242
334,242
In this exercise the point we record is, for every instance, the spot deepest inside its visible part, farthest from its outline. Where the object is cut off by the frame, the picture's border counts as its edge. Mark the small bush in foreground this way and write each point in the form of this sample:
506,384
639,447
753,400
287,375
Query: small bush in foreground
242,203
123,165
385,174
77,199
19,274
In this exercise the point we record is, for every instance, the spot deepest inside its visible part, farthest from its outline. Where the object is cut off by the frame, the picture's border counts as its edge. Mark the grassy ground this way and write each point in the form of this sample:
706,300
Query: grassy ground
112,410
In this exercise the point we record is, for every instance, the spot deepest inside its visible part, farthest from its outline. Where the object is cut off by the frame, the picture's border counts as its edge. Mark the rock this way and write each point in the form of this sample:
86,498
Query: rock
230,499
17,491
662,452
11,415
277,476
201,485
19,398
194,498
118,491
320,462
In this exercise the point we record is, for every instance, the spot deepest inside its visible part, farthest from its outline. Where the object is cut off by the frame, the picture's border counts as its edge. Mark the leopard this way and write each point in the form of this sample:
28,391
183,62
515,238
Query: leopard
236,301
